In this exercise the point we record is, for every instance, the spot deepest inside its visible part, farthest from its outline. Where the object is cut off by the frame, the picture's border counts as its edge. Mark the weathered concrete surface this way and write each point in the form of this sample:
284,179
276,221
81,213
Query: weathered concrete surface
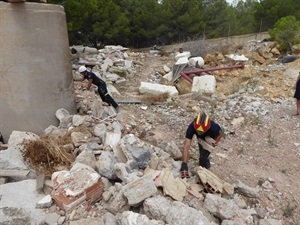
35,69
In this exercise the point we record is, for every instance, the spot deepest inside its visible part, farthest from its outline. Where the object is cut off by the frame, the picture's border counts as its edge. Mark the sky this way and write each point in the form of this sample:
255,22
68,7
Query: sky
231,1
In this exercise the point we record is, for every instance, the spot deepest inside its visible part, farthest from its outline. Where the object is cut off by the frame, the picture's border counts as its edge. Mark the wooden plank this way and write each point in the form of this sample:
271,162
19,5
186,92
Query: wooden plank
13,173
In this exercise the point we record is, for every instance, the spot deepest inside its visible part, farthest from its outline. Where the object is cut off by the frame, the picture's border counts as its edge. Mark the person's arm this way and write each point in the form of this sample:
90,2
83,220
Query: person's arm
186,148
89,83
217,139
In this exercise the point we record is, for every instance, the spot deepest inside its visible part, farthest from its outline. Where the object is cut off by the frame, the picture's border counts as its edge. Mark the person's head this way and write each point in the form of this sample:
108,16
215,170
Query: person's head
202,123
82,70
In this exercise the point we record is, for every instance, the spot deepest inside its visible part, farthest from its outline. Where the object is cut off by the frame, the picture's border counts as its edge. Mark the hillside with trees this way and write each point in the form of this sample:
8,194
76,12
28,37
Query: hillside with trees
144,23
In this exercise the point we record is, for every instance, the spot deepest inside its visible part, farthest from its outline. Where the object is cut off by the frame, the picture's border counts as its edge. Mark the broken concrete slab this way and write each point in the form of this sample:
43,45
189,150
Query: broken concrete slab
204,84
105,165
159,208
20,202
183,54
136,150
212,183
182,61
157,89
245,190
137,191
174,187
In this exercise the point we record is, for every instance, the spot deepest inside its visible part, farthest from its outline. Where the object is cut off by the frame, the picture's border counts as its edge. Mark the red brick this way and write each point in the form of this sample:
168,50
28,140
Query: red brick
67,203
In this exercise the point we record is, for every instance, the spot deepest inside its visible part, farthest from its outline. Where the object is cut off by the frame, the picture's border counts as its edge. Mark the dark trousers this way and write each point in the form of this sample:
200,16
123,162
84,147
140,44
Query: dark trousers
106,97
204,160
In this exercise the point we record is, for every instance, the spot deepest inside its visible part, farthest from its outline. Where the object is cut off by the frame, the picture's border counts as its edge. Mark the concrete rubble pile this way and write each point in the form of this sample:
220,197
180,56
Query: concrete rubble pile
110,180
117,178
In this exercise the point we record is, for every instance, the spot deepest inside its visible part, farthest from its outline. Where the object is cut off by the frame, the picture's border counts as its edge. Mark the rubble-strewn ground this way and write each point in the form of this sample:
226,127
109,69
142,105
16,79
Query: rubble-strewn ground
255,107
261,150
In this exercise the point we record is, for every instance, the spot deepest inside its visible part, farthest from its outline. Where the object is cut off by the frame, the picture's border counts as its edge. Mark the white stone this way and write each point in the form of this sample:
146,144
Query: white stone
166,69
182,61
168,76
204,84
157,89
196,62
183,54
112,138
45,202
241,58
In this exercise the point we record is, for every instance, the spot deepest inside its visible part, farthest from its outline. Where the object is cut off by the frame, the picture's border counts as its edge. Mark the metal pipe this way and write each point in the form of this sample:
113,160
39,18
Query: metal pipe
185,74
186,77
213,69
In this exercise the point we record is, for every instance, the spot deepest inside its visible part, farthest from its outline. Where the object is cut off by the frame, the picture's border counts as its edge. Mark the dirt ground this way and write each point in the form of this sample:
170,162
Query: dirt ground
262,151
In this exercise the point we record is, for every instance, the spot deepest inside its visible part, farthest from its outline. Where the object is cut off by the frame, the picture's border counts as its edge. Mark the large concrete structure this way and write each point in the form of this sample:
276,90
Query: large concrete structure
35,67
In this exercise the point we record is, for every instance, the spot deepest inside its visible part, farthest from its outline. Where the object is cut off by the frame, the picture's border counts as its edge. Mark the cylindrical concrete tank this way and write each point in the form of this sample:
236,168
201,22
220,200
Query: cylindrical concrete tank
35,67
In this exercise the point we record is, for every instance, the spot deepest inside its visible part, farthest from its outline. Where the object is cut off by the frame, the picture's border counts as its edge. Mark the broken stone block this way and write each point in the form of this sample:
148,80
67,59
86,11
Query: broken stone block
212,183
183,54
246,190
174,187
204,84
112,138
173,150
154,173
221,207
99,131
105,165
45,202
78,120
79,138
157,89
137,191
88,158
123,172
109,219
137,150
119,203
173,212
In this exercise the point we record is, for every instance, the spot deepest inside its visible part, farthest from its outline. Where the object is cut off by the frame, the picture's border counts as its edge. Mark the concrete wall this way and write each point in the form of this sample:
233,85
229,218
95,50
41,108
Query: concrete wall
35,67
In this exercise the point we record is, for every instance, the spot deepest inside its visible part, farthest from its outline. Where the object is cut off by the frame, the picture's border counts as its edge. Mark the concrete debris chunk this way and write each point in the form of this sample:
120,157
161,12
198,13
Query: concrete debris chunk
173,212
71,188
137,191
245,190
174,187
212,183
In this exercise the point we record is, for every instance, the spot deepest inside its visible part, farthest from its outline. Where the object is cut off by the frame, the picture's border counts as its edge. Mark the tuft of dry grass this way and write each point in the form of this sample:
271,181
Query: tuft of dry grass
46,153
155,98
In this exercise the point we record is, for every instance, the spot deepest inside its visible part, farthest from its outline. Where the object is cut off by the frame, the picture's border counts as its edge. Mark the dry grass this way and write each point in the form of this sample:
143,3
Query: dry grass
46,153
203,47
155,98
